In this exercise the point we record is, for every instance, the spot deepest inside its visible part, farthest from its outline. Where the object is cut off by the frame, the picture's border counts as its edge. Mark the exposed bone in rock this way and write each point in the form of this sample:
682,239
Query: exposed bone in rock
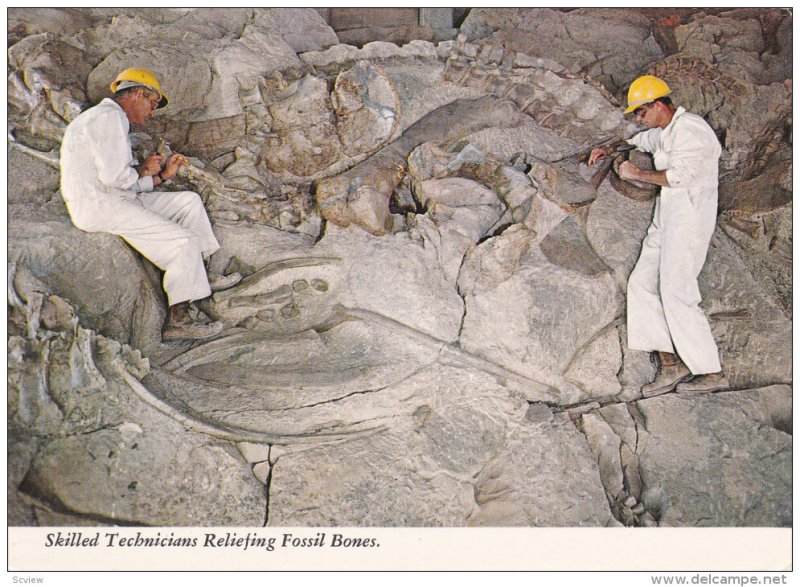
46,86
605,447
361,195
578,110
593,42
562,185
747,115
207,81
275,294
311,129
24,22
735,45
366,107
306,141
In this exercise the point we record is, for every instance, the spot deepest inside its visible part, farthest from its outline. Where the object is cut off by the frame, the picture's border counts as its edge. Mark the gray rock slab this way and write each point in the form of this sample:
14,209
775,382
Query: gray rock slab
747,319
397,276
107,282
530,315
706,460
464,438
557,483
302,28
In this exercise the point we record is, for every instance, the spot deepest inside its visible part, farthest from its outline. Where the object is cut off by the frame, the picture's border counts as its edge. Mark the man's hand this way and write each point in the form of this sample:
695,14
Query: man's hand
599,153
151,166
175,161
629,171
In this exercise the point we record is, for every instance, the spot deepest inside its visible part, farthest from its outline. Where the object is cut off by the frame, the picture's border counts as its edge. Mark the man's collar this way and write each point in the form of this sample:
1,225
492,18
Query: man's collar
679,111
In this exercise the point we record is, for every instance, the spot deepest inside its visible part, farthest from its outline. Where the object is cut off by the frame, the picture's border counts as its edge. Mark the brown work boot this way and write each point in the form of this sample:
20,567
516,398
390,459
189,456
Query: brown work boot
705,383
180,325
667,378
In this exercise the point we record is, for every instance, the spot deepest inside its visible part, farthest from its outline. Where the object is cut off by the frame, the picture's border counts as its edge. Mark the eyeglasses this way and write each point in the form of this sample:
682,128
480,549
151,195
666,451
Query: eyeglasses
153,98
641,111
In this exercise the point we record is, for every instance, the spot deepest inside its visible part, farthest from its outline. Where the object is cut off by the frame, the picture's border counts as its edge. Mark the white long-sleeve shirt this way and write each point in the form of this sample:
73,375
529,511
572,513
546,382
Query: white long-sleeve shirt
97,165
688,150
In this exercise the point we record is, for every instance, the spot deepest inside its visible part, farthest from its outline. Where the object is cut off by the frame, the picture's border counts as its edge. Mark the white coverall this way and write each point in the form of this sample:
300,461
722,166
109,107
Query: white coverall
104,193
663,296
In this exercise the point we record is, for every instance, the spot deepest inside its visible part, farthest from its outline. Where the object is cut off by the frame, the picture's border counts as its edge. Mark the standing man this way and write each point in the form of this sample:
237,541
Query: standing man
664,314
105,192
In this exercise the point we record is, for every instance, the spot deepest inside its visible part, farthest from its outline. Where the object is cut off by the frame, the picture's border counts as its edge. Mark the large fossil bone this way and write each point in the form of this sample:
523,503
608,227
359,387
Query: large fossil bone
361,195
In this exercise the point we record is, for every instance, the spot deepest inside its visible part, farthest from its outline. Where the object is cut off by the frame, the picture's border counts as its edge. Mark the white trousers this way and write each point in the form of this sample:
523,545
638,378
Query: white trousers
172,230
664,311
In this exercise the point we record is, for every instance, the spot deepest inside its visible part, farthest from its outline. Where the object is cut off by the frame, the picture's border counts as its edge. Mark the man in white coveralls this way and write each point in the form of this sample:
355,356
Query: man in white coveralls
105,192
664,314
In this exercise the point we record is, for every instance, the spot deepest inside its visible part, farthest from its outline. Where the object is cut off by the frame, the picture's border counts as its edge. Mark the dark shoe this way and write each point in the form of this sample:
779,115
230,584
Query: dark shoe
666,379
222,282
705,383
190,331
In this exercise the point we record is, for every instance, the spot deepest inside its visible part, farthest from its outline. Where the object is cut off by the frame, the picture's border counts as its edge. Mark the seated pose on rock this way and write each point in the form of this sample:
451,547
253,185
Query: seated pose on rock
664,314
104,192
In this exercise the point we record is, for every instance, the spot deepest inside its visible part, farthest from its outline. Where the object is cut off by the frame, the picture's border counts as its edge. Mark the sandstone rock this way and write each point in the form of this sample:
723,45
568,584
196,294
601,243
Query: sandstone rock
428,463
519,487
746,318
512,267
696,469
595,369
765,241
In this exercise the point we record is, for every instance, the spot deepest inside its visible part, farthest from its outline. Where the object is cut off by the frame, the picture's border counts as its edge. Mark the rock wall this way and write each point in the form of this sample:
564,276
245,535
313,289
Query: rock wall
431,327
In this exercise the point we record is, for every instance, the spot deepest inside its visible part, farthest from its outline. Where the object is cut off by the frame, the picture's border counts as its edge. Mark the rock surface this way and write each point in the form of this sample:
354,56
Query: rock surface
431,326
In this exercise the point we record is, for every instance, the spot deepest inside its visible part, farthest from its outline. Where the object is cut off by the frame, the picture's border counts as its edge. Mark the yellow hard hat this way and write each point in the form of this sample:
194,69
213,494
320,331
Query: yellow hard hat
644,90
136,76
